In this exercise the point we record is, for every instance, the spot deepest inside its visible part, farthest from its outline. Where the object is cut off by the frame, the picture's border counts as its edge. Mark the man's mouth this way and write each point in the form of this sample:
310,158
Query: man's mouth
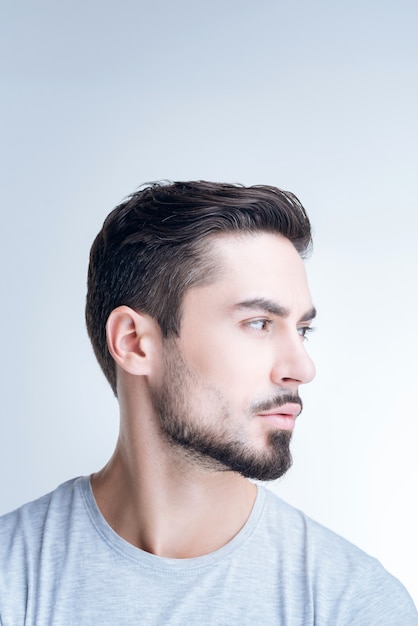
283,417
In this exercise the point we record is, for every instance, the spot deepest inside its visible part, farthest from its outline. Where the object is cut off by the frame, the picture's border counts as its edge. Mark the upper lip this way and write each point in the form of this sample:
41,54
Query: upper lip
290,408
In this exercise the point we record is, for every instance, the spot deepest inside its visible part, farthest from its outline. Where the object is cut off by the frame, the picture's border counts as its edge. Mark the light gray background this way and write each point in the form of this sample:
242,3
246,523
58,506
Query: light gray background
317,97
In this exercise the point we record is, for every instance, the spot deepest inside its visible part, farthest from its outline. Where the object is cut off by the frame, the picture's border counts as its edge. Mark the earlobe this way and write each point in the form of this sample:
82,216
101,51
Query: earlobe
131,340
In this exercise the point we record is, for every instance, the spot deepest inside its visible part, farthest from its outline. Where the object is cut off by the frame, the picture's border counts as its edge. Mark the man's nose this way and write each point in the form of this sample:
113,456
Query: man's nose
292,363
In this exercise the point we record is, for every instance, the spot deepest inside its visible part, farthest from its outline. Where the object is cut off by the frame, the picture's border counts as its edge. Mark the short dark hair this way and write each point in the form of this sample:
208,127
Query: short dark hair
154,246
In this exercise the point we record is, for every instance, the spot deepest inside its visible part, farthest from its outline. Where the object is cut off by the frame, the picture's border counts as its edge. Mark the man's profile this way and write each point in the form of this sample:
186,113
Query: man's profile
197,308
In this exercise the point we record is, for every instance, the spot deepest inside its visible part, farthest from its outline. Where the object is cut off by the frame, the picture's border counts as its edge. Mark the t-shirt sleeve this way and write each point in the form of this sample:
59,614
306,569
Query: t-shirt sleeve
378,599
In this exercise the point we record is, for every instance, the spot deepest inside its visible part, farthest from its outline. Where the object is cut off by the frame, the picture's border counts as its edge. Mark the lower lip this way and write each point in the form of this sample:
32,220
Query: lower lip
283,422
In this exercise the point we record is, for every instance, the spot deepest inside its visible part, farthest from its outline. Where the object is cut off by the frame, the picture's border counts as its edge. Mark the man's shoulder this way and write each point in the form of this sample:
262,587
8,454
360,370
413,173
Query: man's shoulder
336,567
298,524
27,522
301,532
34,542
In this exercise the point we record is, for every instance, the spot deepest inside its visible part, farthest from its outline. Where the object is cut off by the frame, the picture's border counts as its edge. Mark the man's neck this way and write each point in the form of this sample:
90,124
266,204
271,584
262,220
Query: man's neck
165,504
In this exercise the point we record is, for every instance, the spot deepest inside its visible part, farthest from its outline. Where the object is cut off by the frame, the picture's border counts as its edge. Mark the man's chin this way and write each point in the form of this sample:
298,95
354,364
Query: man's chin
268,473
268,464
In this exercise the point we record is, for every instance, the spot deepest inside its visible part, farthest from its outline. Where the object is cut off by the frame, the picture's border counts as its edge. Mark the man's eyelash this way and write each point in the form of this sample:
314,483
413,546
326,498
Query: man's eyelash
305,330
264,321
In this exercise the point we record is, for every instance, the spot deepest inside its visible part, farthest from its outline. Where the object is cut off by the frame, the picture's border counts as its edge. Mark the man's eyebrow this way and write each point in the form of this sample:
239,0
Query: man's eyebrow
263,304
272,307
309,315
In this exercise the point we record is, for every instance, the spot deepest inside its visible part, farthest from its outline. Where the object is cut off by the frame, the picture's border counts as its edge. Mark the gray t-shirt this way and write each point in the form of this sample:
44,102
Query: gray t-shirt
61,564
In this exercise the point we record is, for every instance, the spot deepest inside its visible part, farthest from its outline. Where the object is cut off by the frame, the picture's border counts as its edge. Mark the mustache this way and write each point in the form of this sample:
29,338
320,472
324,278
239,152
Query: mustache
276,402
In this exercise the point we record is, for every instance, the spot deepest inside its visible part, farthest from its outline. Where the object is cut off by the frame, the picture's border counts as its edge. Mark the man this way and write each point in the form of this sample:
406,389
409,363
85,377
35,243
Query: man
197,309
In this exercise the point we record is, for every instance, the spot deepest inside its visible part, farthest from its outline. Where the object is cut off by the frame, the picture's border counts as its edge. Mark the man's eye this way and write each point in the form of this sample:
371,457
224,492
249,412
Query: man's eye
304,331
260,324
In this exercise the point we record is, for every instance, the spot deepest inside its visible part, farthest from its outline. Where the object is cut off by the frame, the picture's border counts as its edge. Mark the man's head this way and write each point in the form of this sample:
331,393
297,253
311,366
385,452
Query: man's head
158,244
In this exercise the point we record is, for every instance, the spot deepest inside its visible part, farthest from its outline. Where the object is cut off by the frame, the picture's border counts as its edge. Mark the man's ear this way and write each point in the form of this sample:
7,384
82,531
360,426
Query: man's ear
132,338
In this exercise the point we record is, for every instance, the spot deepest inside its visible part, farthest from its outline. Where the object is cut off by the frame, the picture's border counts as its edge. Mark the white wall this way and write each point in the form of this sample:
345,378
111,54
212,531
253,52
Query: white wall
319,98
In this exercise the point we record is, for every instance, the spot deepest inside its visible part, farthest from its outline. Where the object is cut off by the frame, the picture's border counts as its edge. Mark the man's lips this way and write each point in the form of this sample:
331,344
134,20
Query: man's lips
282,417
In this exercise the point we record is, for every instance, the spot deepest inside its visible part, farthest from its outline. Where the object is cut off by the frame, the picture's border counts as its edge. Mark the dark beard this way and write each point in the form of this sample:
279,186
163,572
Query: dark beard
215,449
232,455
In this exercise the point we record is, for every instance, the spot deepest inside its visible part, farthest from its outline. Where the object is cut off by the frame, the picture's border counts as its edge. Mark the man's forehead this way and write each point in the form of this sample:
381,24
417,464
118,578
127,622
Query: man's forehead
255,267
262,255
